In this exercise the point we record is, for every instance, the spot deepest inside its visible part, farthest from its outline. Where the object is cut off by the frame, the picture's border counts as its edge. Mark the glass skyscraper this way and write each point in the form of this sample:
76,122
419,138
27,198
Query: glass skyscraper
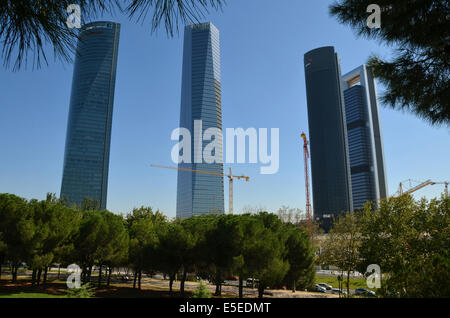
330,167
86,158
364,137
199,193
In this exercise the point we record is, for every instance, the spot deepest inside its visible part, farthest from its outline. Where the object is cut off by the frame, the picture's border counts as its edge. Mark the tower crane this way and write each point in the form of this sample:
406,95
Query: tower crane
307,190
230,176
420,186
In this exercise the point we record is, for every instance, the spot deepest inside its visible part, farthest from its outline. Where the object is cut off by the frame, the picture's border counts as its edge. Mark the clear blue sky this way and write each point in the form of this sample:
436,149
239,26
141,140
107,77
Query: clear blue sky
262,46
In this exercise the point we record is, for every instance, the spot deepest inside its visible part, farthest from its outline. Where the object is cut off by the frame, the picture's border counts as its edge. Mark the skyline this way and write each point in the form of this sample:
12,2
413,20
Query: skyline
32,162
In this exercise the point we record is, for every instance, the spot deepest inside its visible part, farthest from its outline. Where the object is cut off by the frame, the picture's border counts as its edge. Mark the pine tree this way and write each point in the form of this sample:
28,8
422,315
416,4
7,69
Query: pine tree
417,78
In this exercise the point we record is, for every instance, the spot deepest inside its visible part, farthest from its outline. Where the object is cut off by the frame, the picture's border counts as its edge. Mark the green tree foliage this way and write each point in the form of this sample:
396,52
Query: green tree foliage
341,246
223,241
17,226
300,255
271,265
410,241
174,243
26,27
213,246
85,291
201,291
142,227
417,78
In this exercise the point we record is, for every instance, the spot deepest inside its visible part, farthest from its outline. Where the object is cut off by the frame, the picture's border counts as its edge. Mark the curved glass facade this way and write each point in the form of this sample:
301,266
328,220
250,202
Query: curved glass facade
86,158
330,168
201,100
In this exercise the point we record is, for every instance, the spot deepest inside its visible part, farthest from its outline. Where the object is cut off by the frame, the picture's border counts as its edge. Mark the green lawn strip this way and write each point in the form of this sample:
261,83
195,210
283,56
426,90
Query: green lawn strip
333,281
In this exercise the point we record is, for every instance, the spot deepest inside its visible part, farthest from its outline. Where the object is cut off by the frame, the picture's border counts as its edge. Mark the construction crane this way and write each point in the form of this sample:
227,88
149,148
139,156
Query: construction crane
420,186
307,190
230,180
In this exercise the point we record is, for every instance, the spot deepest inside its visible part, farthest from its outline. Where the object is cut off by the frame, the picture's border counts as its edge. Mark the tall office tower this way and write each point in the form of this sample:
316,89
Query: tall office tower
199,193
364,137
330,167
86,158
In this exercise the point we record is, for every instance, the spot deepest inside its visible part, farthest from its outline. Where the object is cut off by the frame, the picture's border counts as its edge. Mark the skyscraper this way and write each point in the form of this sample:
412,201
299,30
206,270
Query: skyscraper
364,137
331,184
86,158
199,193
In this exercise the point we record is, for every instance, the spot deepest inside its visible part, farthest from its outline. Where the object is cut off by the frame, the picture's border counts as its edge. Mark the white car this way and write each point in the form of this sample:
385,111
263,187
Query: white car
326,286
320,289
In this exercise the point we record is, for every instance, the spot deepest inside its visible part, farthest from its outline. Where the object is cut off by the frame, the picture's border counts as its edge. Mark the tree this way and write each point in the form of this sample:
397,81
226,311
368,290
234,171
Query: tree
270,265
114,251
17,226
91,237
410,242
142,227
300,255
417,79
222,240
173,243
26,27
341,245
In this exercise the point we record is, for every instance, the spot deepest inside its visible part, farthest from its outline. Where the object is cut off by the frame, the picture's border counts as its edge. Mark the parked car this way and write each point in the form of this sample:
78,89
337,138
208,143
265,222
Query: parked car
365,292
326,286
250,281
320,289
336,291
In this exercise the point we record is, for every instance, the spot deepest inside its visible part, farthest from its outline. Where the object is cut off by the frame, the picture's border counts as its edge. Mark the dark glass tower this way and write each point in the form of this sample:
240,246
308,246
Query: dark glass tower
330,168
86,158
199,193
364,138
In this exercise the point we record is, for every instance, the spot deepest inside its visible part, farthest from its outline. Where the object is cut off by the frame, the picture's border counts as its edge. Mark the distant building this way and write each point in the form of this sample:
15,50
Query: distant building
86,158
330,167
365,145
200,100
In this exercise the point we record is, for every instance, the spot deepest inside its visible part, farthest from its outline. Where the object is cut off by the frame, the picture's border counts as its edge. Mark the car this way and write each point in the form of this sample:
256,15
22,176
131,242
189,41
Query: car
320,289
365,292
326,286
251,281
337,291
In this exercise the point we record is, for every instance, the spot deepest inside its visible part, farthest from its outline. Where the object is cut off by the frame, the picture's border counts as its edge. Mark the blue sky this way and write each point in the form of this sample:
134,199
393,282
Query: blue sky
262,46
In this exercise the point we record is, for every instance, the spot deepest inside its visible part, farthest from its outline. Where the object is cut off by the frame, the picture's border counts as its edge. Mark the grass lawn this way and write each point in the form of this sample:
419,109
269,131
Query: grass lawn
333,281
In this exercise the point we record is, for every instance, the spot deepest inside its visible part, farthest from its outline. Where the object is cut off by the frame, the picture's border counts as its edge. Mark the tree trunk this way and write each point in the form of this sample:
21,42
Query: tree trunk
39,276
14,273
109,276
348,283
294,286
171,279
33,277
139,279
59,270
183,279
260,290
100,276
218,283
135,278
90,274
45,274
241,287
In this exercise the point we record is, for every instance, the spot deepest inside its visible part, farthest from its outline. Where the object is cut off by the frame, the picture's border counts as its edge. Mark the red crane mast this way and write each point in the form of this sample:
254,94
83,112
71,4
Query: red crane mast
307,190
